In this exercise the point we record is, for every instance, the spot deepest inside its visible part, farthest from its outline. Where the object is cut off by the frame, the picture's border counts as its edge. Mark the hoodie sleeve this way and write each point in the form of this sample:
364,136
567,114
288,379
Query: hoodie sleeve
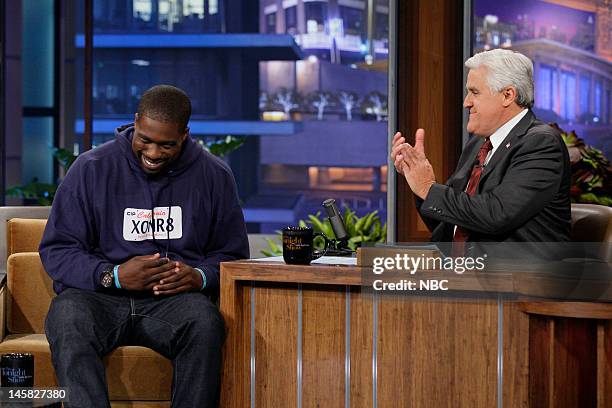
67,249
228,240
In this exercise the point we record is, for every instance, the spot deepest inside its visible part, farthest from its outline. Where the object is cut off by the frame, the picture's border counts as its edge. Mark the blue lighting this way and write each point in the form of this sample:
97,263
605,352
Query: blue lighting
281,47
187,40
208,127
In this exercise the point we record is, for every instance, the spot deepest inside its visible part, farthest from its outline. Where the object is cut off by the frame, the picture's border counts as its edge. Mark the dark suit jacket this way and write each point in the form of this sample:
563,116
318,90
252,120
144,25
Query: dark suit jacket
523,194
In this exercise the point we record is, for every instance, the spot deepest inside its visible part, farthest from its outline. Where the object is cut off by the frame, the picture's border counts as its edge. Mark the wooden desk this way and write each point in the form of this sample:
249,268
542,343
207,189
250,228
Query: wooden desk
309,336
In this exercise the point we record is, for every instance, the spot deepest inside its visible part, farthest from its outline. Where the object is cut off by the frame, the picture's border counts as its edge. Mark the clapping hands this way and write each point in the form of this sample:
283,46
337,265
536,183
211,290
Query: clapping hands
412,163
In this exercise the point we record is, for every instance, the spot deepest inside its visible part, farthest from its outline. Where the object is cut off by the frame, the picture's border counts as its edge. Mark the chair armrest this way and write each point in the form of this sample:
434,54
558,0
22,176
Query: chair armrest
29,293
3,292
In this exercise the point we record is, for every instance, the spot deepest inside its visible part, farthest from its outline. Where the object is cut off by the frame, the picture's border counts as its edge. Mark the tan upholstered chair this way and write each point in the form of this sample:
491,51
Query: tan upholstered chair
136,376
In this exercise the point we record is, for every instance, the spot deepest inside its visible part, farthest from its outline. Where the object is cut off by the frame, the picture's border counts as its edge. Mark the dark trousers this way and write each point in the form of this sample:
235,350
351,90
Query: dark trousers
83,326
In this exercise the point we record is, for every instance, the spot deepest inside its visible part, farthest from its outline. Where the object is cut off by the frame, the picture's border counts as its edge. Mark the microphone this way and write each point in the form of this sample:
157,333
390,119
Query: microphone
335,219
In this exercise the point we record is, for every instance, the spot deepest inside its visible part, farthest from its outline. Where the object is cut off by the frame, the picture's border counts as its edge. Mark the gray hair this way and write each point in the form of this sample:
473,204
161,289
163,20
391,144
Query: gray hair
507,68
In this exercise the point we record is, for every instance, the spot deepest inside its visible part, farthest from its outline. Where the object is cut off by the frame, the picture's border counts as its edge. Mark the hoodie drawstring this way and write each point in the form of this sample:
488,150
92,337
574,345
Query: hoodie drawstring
169,183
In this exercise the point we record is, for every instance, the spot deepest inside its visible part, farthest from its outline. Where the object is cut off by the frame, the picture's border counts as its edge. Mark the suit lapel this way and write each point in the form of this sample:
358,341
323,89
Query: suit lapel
502,151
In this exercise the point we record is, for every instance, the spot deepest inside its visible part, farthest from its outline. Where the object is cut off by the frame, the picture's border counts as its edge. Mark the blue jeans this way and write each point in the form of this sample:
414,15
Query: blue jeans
83,326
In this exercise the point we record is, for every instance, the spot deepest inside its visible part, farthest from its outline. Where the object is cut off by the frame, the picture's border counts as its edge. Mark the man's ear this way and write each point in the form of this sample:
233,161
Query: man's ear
509,95
185,134
136,117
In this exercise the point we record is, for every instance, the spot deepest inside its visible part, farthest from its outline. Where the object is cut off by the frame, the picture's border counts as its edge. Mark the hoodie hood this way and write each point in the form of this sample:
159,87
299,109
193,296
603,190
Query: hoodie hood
189,153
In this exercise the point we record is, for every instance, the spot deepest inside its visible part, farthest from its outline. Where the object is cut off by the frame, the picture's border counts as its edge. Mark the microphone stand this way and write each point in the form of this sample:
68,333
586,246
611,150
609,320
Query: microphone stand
339,249
340,244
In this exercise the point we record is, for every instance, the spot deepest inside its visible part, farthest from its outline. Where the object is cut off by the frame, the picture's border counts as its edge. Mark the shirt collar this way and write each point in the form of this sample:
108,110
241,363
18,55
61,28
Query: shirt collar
500,134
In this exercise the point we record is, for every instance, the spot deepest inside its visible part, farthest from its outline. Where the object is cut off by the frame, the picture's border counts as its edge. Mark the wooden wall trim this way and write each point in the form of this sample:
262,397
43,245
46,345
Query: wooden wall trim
429,94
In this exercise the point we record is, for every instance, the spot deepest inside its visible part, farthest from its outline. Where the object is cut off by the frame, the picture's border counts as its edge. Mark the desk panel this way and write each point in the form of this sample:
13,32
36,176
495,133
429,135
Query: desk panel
437,353
323,346
311,336
361,348
276,353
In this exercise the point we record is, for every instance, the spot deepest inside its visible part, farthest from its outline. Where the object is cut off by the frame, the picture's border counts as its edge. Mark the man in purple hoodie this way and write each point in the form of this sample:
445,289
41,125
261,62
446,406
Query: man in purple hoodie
133,244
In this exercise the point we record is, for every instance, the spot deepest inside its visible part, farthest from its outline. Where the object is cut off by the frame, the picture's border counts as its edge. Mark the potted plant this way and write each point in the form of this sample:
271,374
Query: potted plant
591,171
366,229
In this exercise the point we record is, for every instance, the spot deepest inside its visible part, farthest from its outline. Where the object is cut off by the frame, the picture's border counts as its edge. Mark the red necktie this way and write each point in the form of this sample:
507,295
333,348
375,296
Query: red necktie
461,234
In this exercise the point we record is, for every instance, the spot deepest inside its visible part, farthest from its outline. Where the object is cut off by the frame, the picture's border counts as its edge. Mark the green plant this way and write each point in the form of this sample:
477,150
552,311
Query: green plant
591,171
64,157
224,146
43,193
275,249
361,230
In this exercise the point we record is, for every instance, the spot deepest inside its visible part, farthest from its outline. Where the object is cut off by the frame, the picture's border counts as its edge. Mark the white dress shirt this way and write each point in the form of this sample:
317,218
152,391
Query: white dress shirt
500,134
498,137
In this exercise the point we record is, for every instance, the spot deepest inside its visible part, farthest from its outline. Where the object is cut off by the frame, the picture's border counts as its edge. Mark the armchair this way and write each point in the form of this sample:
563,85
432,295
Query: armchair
136,376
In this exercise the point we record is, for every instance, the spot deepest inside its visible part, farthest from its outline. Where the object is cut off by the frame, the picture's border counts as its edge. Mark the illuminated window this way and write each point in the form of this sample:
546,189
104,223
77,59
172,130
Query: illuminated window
353,20
598,97
568,95
291,20
271,23
609,110
193,8
585,94
142,9
544,91
213,6
316,15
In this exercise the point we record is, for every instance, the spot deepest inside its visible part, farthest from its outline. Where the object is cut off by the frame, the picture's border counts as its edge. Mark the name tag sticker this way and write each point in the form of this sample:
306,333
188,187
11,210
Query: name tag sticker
141,224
